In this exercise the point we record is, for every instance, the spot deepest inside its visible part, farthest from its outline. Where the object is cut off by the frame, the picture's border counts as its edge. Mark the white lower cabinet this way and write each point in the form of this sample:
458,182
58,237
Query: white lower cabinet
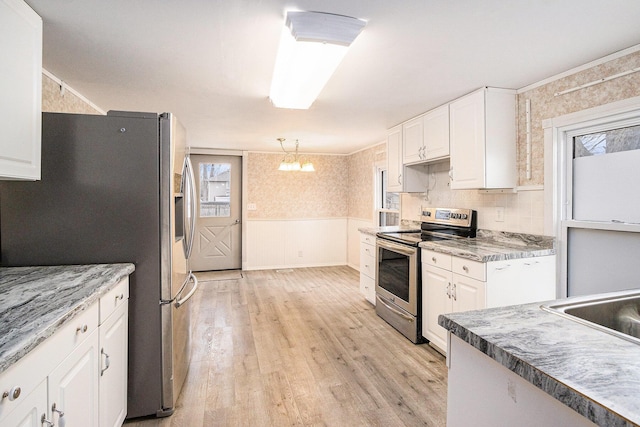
368,267
76,377
113,368
73,386
31,411
452,284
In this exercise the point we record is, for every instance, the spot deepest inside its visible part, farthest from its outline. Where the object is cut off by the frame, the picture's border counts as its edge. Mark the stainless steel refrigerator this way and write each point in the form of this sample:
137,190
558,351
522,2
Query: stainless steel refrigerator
117,188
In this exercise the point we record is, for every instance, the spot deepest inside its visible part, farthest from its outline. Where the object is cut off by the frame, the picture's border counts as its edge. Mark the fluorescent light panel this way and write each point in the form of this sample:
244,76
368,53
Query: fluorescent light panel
312,45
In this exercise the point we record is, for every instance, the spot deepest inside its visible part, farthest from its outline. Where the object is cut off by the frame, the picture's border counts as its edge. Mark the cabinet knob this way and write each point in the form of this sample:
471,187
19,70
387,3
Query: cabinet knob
465,268
12,394
82,329
119,297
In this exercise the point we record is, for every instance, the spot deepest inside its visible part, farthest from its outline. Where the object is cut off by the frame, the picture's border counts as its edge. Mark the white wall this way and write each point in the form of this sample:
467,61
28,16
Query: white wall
295,243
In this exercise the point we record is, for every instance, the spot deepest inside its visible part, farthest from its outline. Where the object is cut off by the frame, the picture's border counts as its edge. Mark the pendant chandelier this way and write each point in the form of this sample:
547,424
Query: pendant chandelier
291,161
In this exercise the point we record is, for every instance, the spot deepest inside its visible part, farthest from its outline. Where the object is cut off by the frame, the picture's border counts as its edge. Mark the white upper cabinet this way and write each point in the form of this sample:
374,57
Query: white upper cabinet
483,140
21,88
403,178
413,141
394,160
436,133
426,137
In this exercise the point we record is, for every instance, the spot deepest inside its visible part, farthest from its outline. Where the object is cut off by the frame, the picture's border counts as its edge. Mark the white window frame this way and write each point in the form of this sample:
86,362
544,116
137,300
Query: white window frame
558,153
378,200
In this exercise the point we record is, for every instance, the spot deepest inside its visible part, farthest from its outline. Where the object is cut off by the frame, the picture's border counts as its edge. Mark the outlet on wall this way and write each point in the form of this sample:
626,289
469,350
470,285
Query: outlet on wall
500,214
300,254
251,206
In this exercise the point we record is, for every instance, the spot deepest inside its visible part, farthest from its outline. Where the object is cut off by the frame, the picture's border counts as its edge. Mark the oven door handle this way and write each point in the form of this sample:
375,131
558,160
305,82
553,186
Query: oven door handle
404,250
399,313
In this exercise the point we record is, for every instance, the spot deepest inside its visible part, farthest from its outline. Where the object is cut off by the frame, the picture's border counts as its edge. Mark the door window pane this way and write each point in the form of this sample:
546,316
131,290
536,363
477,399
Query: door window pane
215,189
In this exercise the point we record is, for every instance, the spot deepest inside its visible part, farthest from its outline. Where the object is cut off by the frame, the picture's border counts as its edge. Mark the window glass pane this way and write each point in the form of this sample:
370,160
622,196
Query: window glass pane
389,200
215,189
389,218
611,141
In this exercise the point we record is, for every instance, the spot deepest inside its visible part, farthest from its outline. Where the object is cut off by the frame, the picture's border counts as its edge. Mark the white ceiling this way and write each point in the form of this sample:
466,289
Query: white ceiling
210,61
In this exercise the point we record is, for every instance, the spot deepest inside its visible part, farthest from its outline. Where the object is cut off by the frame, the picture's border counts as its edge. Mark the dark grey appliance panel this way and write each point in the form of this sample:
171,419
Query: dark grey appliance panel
97,202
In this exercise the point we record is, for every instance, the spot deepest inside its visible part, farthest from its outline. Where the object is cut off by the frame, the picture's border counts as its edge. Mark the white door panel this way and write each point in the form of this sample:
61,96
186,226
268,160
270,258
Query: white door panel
218,239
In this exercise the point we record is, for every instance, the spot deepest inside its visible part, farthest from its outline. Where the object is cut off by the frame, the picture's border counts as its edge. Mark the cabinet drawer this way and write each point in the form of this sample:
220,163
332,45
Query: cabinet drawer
29,371
367,238
113,299
436,259
466,267
368,260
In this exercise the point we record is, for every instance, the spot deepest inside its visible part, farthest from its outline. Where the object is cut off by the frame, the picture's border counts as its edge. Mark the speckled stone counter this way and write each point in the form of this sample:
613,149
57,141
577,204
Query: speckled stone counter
495,246
406,227
592,372
36,301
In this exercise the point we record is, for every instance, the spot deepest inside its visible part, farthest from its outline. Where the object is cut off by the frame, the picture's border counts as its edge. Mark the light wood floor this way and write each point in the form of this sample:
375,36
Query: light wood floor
303,348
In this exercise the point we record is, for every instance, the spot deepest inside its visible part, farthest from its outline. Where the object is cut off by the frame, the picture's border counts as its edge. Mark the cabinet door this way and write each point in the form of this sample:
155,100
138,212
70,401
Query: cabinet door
436,133
368,288
468,294
412,141
467,139
30,411
21,88
435,301
113,368
73,385
394,159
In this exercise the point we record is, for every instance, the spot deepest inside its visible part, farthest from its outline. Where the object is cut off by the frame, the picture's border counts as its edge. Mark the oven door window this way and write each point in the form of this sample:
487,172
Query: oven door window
393,271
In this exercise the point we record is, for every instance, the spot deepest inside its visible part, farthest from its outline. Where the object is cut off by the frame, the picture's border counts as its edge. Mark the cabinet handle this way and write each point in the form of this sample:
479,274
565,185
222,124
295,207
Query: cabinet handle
465,268
12,394
400,179
434,259
81,329
61,418
449,290
45,421
119,297
106,362
503,268
453,292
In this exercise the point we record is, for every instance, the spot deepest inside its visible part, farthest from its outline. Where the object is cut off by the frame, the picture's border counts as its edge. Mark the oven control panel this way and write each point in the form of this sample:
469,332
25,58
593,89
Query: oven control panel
450,216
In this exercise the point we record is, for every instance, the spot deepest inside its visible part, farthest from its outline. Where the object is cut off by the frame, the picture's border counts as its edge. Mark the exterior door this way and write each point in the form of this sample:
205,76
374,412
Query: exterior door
217,241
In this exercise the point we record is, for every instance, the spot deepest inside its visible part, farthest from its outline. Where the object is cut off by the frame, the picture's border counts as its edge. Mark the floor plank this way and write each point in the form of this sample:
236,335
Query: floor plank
302,348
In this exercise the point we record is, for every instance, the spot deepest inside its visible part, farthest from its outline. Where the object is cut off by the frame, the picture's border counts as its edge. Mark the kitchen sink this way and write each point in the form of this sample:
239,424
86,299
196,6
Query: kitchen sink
616,313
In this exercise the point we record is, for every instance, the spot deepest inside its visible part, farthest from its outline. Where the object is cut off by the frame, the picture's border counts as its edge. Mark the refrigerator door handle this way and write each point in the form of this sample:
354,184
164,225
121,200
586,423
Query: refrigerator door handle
194,279
177,298
190,207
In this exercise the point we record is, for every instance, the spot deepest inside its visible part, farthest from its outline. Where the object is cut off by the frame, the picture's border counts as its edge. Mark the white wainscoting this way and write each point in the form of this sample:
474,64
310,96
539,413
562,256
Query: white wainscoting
353,240
295,243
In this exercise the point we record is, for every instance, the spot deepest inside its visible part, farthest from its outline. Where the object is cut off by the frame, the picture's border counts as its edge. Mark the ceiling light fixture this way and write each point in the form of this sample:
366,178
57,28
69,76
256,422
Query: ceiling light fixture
312,45
291,162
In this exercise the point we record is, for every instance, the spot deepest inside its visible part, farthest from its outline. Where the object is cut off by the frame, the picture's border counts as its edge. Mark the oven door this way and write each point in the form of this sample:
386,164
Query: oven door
397,274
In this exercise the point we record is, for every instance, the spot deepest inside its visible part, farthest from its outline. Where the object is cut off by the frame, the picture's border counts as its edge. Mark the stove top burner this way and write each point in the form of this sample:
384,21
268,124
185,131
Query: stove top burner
438,224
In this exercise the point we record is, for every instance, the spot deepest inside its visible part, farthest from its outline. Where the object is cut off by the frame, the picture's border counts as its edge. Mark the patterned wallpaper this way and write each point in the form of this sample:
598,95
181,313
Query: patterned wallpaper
297,195
544,105
54,102
362,181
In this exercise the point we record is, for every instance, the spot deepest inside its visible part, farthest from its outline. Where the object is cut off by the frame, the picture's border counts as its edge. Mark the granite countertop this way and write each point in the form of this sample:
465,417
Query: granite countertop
594,373
495,246
36,301
487,246
408,228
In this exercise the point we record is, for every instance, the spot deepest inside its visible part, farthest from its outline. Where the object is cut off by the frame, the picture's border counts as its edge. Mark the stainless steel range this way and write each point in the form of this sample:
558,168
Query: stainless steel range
398,278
